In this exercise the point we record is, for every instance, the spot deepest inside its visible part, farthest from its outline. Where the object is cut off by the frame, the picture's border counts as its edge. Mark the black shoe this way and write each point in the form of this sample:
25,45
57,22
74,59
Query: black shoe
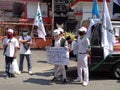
12,75
66,67
54,79
8,75
64,81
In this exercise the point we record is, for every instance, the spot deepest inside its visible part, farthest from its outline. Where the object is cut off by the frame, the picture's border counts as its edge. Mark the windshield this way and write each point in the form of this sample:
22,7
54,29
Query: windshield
96,35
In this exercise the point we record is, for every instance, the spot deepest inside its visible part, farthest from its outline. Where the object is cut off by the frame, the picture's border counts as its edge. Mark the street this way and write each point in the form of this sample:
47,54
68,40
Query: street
41,77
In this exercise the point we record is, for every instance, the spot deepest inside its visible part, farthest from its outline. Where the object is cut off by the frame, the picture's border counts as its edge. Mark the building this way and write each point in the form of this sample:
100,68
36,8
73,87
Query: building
22,11
83,9
19,14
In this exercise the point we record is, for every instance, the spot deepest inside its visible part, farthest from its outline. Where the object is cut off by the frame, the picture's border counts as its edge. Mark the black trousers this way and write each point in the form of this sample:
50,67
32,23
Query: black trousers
8,61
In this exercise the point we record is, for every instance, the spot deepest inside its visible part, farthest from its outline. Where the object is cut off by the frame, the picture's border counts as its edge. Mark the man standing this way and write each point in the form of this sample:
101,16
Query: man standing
83,53
74,47
59,42
25,42
10,43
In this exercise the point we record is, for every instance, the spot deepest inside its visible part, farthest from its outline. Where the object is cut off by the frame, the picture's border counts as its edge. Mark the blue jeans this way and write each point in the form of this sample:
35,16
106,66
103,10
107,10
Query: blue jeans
28,58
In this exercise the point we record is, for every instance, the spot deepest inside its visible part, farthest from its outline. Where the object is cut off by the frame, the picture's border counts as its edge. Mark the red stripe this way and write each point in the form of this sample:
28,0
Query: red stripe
76,1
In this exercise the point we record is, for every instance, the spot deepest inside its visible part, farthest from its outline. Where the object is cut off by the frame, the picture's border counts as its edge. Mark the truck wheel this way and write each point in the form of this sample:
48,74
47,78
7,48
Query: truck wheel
116,71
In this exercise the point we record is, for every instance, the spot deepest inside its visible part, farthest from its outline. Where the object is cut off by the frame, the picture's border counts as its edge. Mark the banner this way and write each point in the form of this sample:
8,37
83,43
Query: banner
58,56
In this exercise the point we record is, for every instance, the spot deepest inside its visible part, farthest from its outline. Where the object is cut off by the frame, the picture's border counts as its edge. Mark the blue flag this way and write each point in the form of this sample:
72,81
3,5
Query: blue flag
95,11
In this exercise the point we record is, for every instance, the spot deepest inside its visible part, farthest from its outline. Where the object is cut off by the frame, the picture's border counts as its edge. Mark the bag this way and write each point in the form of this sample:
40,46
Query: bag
26,46
14,67
4,50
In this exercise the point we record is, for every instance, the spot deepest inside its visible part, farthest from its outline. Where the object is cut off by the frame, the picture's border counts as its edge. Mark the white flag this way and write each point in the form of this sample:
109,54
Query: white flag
39,22
107,31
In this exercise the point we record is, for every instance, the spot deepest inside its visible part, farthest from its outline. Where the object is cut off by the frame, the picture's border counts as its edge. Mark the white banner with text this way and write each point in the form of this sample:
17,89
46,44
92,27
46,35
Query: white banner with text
58,56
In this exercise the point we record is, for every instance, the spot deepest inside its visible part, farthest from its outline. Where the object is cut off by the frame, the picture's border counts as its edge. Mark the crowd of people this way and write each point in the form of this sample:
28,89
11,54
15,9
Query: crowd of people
79,47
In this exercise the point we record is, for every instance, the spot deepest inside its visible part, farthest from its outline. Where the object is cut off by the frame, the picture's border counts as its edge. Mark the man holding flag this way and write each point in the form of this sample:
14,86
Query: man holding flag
39,23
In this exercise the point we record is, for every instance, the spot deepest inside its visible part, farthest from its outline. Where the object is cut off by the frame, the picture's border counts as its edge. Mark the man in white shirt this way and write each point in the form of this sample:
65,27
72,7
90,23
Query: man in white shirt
83,53
74,47
10,43
25,42
59,42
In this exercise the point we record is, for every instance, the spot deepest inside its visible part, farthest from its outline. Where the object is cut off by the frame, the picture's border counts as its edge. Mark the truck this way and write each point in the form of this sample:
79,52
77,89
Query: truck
97,61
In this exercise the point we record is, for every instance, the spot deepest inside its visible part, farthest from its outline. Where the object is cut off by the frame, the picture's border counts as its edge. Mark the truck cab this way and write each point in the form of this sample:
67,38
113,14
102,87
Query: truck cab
97,61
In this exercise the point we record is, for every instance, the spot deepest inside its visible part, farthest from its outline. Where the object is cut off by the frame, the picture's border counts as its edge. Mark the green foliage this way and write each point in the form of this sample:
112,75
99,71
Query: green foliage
71,34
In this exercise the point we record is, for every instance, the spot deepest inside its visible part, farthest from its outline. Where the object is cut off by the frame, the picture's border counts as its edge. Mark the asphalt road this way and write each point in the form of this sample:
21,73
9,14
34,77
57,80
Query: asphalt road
41,77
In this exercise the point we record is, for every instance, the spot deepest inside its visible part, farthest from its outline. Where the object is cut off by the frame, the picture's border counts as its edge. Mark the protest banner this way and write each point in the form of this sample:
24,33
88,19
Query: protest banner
59,56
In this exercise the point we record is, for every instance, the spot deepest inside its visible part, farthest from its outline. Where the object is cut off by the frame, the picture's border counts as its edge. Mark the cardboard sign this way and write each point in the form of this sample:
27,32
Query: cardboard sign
58,56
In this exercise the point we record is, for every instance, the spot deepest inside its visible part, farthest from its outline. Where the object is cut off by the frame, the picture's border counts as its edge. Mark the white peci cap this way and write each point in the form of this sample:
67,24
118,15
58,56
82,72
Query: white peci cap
60,29
83,29
56,32
10,30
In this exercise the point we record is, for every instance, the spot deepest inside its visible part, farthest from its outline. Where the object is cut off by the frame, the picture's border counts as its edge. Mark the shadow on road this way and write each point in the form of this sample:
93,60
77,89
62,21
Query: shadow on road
38,81
72,74
45,74
2,74
41,61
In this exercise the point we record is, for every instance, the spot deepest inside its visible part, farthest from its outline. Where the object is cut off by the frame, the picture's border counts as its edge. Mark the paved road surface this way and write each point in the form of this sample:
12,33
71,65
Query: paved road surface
40,79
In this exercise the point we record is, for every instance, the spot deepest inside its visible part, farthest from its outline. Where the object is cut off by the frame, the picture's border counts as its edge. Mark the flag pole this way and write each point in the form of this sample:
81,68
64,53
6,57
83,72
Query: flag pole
52,15
111,9
33,24
103,10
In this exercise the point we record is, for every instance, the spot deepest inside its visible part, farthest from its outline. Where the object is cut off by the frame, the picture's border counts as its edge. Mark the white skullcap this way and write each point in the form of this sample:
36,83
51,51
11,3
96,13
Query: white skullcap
10,30
61,30
83,29
56,32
